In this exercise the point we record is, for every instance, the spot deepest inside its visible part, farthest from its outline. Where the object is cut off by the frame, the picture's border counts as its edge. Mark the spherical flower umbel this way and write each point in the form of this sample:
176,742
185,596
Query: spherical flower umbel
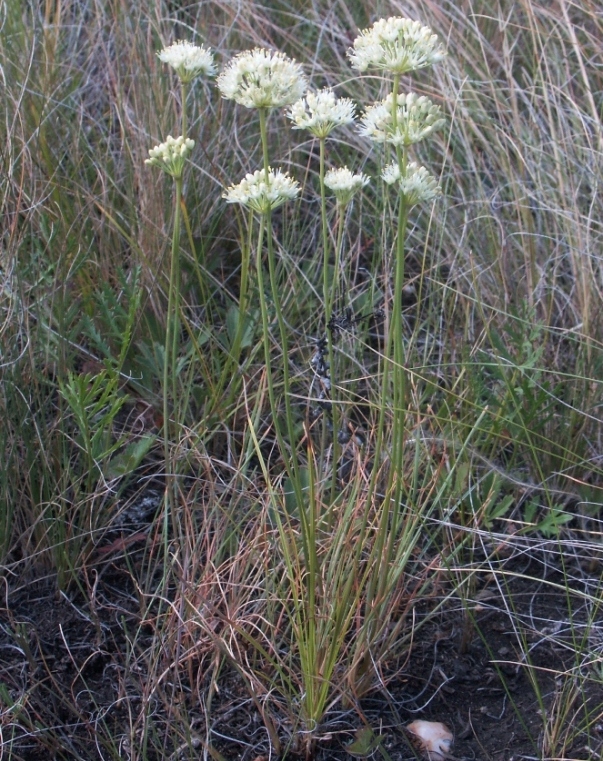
262,79
188,60
344,184
171,155
261,195
416,185
397,45
417,117
321,112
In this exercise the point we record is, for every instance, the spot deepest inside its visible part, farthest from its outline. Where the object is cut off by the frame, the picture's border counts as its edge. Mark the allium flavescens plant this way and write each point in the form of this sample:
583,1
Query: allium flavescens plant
320,618
189,61
395,46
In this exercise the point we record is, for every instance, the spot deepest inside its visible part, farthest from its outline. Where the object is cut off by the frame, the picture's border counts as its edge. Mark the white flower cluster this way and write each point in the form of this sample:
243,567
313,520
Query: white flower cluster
171,155
397,45
262,194
417,185
188,60
416,117
344,184
262,79
321,112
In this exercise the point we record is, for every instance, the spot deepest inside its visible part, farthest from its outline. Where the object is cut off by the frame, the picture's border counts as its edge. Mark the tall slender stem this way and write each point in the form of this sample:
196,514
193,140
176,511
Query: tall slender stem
328,292
183,94
291,465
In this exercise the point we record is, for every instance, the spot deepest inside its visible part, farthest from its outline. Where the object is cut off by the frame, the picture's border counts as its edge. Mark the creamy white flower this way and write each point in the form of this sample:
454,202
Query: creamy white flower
171,155
262,196
188,60
344,184
417,185
321,112
417,117
396,44
262,79
391,173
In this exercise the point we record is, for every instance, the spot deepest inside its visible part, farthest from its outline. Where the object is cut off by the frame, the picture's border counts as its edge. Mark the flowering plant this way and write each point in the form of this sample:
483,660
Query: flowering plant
415,184
410,120
263,191
171,155
344,184
261,78
397,45
321,112
188,60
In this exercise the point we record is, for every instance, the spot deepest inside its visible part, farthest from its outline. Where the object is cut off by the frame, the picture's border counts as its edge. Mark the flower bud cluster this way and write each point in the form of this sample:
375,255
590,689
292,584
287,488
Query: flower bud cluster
321,112
171,155
344,184
416,117
263,193
416,184
188,60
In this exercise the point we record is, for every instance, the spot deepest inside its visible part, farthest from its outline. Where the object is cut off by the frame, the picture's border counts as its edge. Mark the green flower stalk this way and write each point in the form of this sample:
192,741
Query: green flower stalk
264,79
343,185
261,192
171,157
320,113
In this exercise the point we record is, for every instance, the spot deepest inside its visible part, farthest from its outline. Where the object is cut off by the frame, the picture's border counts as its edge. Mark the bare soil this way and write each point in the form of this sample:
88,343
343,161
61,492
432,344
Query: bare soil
501,669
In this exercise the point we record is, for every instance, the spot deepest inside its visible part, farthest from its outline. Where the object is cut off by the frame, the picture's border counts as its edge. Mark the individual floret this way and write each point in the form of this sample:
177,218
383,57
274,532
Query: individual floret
261,194
417,185
262,79
397,45
321,112
171,155
188,60
344,184
416,118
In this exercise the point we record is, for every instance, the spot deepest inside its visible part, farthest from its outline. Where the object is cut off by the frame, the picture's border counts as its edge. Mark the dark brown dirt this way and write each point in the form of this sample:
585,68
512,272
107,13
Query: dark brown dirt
498,669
